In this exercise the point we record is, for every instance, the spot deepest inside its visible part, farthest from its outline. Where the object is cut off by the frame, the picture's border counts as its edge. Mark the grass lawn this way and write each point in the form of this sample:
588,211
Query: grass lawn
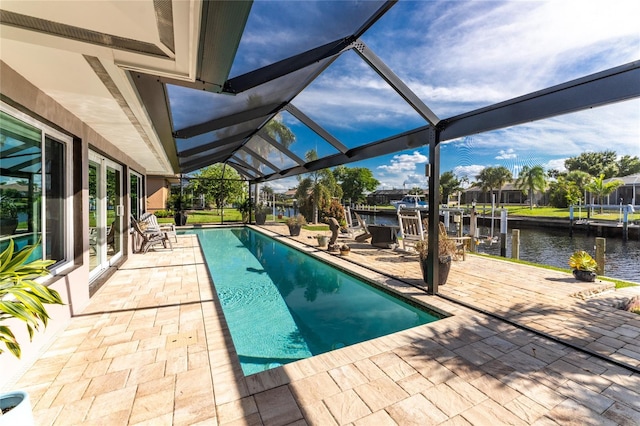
564,213
207,216
551,212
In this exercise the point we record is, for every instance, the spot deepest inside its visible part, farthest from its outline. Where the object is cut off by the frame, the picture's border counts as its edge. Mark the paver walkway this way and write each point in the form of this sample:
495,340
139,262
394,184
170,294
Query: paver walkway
153,348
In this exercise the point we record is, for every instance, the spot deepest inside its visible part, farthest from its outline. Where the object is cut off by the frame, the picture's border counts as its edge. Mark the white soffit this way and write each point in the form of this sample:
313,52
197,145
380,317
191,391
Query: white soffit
133,21
69,79
97,90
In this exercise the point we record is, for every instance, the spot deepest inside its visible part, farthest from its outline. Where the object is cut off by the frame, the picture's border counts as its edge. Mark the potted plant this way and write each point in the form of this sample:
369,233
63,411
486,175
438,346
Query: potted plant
245,208
8,216
345,250
261,214
446,252
583,265
295,224
179,216
323,240
21,298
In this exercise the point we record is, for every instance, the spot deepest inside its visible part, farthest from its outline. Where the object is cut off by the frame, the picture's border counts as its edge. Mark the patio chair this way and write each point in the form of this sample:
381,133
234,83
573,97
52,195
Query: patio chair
152,224
351,229
149,238
411,228
111,237
363,225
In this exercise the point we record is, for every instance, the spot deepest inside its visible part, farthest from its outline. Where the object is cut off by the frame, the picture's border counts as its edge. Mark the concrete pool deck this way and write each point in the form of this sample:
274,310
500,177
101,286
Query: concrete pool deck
153,348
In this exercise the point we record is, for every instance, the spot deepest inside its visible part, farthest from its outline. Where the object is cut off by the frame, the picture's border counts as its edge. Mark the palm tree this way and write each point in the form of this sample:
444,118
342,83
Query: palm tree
313,187
501,175
493,177
531,179
580,180
600,189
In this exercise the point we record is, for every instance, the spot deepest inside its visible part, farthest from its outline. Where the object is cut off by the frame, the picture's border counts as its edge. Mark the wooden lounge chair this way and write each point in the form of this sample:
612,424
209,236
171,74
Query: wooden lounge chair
149,238
351,229
411,227
366,235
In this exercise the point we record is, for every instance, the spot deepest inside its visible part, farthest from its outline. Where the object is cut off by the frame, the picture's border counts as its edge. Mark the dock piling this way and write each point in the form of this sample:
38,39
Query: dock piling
515,244
601,246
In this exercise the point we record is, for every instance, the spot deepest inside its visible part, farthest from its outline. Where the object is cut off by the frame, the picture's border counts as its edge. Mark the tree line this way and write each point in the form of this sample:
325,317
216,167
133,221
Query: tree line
587,172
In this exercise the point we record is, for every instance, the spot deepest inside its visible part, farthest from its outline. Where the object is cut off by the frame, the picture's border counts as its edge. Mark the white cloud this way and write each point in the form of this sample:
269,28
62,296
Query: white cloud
414,180
506,154
403,163
470,172
557,164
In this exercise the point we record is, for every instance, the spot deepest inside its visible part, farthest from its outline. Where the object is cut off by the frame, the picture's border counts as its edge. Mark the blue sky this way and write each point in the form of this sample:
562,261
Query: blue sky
458,56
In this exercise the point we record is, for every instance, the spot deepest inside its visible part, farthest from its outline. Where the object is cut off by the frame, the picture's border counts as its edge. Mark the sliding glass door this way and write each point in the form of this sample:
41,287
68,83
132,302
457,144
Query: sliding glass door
105,213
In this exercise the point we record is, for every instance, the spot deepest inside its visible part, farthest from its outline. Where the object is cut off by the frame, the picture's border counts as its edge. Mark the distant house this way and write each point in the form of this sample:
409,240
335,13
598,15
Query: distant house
628,192
290,194
509,195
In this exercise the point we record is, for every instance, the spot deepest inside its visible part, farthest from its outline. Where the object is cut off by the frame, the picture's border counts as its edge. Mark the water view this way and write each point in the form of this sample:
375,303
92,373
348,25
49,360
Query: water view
554,247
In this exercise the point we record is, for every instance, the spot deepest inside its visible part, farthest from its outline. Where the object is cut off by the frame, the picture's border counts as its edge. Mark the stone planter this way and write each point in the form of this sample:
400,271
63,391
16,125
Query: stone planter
180,219
443,269
8,226
261,218
294,230
21,413
322,240
587,276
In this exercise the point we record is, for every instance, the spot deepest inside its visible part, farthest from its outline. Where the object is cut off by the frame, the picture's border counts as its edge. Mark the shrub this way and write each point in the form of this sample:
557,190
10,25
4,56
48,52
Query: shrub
582,261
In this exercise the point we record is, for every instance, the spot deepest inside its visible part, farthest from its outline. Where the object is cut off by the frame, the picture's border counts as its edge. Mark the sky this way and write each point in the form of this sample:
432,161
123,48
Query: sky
457,56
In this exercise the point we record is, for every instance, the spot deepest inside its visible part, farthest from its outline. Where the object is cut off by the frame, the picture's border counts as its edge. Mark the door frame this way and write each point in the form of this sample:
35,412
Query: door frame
99,242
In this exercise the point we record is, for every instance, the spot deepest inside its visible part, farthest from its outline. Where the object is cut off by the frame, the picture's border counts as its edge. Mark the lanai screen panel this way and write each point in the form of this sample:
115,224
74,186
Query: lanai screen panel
277,30
201,117
460,56
355,105
272,154
305,139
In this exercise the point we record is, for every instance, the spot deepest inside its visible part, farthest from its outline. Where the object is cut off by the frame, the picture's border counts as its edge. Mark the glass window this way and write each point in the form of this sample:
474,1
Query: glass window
32,188
55,199
135,194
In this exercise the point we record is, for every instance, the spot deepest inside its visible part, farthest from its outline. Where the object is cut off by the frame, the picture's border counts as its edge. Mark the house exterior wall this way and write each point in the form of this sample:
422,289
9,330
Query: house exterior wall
158,191
73,284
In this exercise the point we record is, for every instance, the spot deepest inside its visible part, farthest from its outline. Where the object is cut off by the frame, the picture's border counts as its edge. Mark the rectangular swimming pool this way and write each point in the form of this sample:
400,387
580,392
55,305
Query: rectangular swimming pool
282,305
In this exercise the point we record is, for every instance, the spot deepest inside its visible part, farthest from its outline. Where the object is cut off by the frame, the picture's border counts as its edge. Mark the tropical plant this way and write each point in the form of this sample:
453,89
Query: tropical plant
582,261
297,220
21,297
531,179
494,178
8,209
446,246
316,190
245,208
449,185
601,189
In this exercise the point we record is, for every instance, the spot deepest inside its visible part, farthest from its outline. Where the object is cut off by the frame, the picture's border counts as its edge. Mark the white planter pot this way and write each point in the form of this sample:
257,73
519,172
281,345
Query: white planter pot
20,415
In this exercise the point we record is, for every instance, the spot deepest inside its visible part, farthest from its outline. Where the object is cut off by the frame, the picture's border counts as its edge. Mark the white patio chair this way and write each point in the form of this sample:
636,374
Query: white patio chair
152,224
411,228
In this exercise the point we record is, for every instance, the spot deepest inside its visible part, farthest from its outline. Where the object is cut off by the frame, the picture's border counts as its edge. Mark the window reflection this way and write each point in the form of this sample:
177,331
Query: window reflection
22,195
20,182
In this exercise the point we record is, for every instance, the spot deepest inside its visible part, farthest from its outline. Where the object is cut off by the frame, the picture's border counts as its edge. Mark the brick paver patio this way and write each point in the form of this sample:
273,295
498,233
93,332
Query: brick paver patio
153,348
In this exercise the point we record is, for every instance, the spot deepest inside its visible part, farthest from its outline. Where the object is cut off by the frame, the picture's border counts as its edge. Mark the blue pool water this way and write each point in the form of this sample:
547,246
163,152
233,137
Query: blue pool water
282,305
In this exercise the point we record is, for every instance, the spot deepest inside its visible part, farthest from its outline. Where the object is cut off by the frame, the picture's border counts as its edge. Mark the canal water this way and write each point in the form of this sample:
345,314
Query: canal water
554,247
